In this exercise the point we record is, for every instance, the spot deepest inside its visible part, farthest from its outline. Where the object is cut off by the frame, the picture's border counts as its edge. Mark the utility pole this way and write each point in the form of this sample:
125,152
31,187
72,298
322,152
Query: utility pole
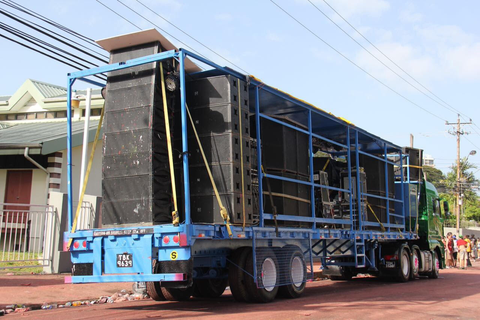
458,132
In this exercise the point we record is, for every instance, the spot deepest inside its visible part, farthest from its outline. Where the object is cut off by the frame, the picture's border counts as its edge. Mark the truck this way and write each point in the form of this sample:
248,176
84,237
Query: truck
213,179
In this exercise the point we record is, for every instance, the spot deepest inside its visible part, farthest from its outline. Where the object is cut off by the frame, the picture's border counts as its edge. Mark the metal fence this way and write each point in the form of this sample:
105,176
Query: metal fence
24,235
86,217
463,224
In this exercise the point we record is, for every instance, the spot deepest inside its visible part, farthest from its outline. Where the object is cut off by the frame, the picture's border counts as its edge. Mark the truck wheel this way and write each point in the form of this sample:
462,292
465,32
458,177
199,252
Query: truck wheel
404,265
415,263
155,291
177,294
436,266
211,288
294,273
268,276
236,274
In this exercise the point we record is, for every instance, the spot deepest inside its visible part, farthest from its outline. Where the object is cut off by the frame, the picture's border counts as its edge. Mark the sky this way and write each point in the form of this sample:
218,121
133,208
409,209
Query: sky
437,43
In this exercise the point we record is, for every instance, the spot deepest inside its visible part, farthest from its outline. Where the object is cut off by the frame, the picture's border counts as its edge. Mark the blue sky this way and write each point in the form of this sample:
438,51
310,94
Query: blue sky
436,41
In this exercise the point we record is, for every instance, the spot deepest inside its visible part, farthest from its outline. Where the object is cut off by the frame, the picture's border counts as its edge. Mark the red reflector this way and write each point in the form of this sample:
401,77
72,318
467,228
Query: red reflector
166,239
175,239
76,244
391,257
84,244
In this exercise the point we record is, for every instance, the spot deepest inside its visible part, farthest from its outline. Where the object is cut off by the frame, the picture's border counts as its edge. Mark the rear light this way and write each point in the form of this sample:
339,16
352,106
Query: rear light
391,257
166,239
84,244
175,239
76,244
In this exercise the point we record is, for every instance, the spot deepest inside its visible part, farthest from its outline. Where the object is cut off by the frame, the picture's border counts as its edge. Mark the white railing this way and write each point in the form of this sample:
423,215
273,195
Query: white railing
23,235
86,217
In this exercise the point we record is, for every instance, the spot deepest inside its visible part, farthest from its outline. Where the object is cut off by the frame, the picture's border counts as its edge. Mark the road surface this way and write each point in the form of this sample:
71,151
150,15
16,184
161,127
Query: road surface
455,295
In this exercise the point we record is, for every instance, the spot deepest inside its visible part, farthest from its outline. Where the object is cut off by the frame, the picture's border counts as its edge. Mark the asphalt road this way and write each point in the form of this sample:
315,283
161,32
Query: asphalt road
455,295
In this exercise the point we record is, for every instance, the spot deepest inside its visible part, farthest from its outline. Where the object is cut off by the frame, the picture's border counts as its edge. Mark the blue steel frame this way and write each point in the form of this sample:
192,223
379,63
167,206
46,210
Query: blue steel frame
194,232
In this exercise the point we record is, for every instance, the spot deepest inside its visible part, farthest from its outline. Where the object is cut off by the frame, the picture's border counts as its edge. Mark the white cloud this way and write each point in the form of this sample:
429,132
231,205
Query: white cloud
223,17
409,15
271,36
445,35
463,61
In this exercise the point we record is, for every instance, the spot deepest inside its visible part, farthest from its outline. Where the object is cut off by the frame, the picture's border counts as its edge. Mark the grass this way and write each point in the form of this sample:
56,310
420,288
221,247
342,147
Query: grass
23,266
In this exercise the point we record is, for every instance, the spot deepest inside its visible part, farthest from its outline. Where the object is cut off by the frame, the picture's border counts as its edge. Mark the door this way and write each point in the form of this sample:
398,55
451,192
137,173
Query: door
18,190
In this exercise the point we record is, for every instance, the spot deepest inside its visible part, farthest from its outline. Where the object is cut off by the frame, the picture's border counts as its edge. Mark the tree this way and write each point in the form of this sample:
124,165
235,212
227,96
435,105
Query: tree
435,176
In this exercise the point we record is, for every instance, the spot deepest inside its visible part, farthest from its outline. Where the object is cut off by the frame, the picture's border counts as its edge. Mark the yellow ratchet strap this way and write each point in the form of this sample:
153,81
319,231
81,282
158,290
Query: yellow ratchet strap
326,164
87,173
371,210
223,211
175,216
240,113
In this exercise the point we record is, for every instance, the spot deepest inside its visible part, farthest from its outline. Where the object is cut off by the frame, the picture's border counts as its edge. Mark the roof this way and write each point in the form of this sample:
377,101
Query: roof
44,137
49,90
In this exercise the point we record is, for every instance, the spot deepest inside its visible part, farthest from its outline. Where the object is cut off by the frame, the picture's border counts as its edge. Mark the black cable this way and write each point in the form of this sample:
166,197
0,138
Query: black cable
118,14
219,55
43,45
17,6
40,26
45,54
457,111
385,65
356,65
26,35
49,35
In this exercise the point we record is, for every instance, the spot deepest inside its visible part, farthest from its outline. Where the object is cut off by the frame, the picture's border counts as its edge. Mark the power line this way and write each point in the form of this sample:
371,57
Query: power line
162,30
43,53
118,14
194,39
19,7
356,30
40,26
356,65
49,35
369,52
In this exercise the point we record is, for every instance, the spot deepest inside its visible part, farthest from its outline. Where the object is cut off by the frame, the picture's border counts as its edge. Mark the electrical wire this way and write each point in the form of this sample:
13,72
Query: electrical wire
194,39
376,58
356,65
43,53
44,45
118,14
366,39
162,29
49,35
19,7
40,26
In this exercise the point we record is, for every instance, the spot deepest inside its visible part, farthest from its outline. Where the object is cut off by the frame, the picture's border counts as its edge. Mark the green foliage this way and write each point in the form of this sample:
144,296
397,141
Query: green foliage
434,176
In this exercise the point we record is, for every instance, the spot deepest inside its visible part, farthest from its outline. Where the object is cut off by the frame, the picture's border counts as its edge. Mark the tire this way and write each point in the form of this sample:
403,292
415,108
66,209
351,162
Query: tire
293,274
269,276
155,291
403,274
415,261
196,291
177,294
237,276
211,288
436,266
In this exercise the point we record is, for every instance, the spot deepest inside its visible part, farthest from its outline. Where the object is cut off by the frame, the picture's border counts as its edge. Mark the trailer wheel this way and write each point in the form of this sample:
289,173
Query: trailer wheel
177,294
436,266
211,288
236,274
404,265
268,276
293,274
415,263
155,291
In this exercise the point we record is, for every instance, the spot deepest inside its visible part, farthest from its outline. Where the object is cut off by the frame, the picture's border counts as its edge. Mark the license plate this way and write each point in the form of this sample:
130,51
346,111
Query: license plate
390,264
124,260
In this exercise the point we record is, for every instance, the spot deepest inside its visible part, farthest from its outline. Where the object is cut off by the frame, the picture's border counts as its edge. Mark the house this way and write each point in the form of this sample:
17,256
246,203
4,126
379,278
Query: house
33,157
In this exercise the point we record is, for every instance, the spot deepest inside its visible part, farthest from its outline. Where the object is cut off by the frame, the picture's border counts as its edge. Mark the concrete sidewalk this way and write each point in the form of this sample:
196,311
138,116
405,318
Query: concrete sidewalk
35,290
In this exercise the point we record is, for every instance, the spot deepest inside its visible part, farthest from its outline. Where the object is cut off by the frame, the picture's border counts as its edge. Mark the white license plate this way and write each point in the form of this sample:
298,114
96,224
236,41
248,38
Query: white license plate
124,260
390,264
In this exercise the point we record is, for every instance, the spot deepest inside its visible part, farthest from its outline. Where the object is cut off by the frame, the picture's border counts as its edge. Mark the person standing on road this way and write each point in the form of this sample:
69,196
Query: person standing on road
455,251
462,253
469,250
449,250
474,247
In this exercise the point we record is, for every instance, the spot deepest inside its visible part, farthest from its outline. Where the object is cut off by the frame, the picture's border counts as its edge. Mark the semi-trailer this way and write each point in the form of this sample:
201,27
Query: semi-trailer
212,178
